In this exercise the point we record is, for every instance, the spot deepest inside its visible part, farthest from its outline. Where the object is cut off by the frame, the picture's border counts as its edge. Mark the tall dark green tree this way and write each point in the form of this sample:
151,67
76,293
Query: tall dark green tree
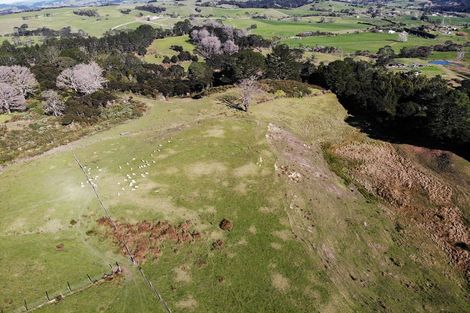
282,63
200,75
182,28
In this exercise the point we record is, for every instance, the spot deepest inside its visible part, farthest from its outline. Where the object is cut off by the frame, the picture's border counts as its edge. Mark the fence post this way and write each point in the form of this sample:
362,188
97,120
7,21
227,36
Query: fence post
90,279
47,296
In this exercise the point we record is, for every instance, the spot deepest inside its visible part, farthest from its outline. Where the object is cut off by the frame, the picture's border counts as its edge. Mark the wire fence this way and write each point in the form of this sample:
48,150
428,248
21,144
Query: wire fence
132,259
68,289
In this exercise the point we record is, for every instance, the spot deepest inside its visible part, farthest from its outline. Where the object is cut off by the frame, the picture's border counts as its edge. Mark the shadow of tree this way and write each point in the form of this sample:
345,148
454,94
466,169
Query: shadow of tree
377,131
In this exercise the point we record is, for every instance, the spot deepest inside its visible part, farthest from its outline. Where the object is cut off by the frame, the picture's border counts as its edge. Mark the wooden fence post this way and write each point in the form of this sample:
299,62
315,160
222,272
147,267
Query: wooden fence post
90,279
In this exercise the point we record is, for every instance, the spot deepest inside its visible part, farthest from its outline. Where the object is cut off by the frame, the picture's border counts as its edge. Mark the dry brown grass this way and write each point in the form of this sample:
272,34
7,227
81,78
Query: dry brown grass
413,189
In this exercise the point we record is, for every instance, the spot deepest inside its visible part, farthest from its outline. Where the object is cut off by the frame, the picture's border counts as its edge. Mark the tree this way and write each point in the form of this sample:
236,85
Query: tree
403,36
210,45
241,65
182,28
249,87
282,63
52,104
385,54
82,78
230,47
199,73
19,77
11,99
199,35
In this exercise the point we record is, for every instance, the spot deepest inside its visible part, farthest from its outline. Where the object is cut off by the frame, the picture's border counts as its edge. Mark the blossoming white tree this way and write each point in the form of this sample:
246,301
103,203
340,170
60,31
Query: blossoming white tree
52,104
19,77
230,47
403,36
210,45
11,99
82,78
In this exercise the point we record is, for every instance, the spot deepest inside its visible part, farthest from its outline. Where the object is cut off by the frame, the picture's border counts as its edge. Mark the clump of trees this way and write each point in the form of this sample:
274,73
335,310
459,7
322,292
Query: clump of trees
415,52
214,38
150,8
182,28
86,12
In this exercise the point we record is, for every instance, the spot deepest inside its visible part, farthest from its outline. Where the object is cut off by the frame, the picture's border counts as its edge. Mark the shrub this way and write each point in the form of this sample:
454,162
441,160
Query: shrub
288,88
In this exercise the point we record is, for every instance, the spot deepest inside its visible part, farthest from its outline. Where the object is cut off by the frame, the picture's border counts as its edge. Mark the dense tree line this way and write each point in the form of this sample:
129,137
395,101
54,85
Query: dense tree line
86,12
64,32
420,32
150,8
411,107
81,48
450,5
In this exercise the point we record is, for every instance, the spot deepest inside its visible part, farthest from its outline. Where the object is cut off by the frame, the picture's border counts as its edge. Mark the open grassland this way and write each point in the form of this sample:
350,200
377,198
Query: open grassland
58,18
305,243
366,41
109,18
161,48
285,29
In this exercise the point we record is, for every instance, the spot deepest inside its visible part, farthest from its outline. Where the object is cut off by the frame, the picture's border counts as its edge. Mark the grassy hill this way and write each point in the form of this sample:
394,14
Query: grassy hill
303,239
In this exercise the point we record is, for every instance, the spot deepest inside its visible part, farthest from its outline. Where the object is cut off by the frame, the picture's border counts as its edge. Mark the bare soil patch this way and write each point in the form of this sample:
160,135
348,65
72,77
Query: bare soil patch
215,132
182,274
276,246
145,239
249,169
189,303
280,282
199,169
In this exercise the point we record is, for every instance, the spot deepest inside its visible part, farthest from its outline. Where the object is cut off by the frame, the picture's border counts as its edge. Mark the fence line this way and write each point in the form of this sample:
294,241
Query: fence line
124,244
69,291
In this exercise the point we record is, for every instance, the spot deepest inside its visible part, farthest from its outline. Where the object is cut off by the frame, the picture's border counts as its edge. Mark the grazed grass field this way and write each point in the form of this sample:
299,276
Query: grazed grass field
284,29
365,41
161,48
213,163
109,18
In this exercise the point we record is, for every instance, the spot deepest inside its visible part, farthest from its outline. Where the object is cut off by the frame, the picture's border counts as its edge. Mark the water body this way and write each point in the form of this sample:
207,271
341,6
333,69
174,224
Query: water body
440,62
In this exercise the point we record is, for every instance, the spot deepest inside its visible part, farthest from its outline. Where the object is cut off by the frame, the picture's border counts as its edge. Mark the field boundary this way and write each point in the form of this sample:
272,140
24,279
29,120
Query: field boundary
58,296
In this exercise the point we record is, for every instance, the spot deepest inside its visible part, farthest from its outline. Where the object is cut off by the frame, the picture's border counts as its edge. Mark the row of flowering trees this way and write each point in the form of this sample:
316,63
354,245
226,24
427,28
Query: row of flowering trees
17,83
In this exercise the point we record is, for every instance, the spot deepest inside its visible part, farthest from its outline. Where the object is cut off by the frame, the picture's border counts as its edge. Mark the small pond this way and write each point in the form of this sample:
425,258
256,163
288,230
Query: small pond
440,62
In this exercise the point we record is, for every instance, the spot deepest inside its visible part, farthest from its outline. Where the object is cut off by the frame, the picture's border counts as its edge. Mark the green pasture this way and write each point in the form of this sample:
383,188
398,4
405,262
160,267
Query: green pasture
365,41
285,29
161,48
208,162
